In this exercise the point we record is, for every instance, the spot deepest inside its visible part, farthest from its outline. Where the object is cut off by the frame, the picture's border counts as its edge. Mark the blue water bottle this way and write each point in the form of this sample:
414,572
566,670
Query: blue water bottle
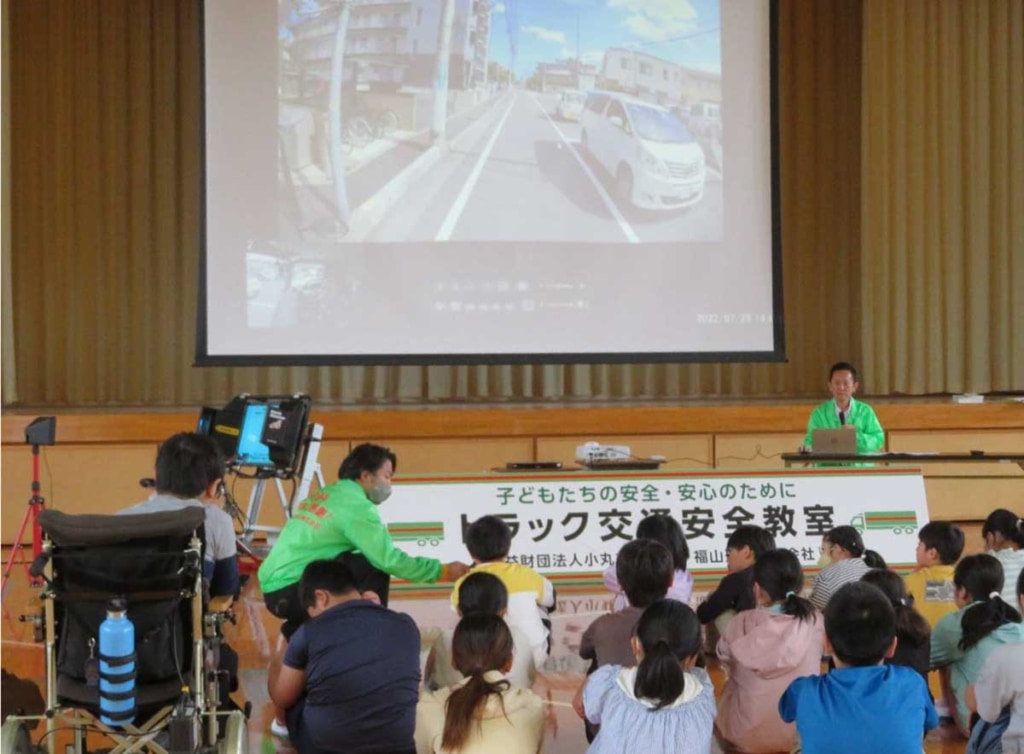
117,666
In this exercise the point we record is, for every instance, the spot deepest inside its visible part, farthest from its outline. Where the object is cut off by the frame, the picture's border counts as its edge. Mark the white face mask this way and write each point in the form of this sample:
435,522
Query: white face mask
825,559
380,492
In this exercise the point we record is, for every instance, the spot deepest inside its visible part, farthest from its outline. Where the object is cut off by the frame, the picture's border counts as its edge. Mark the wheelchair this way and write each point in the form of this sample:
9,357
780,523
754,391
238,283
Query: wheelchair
154,562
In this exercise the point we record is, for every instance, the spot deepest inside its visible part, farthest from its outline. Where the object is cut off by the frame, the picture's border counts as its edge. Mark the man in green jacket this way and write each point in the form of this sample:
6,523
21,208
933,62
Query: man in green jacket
844,411
341,521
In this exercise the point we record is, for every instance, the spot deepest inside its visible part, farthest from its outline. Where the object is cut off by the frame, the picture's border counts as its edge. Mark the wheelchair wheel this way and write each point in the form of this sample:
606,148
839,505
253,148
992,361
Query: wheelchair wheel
14,739
236,737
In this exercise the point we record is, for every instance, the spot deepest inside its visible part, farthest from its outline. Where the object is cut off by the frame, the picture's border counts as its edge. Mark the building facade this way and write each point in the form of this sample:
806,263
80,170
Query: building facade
657,79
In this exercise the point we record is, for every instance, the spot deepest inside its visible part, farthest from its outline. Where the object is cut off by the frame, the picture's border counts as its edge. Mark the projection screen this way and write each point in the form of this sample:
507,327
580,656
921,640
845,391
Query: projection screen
489,181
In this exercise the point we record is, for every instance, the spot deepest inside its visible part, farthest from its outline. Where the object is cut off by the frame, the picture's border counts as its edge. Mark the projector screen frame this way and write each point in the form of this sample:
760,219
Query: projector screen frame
203,358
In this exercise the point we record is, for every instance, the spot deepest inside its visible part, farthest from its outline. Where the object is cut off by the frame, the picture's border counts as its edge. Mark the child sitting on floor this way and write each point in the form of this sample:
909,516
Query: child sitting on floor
998,698
763,651
666,530
963,640
530,596
483,713
481,594
1003,531
644,569
913,634
939,545
736,591
665,703
863,705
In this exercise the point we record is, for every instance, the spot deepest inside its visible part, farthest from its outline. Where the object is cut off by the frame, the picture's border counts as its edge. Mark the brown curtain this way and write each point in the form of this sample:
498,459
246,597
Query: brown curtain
105,172
943,195
9,373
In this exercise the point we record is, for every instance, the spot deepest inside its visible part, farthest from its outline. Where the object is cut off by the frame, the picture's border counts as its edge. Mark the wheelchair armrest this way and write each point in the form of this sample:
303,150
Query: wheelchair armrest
221,604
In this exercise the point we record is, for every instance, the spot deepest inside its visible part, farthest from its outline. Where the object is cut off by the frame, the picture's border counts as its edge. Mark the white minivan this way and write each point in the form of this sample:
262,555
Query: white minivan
655,160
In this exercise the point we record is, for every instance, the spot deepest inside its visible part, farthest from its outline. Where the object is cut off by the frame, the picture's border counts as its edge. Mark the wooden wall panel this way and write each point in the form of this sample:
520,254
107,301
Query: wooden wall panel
74,479
454,456
973,498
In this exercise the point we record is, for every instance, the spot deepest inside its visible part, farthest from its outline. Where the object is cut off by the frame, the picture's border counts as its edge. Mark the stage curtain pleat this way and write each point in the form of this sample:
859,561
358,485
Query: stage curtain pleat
8,370
105,153
943,195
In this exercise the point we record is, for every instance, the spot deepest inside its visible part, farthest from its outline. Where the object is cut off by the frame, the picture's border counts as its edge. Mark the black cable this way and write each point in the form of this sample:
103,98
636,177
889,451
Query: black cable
83,726
757,455
49,477
699,461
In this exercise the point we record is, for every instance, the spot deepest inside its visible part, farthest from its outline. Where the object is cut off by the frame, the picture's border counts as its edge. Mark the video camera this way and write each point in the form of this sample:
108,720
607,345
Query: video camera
261,431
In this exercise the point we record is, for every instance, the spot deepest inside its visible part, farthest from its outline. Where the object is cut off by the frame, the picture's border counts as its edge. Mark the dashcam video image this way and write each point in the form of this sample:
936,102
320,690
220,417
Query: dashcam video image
499,120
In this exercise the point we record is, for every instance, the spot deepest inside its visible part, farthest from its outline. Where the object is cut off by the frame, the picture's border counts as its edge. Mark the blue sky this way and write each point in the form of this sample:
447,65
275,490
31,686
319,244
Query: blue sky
683,31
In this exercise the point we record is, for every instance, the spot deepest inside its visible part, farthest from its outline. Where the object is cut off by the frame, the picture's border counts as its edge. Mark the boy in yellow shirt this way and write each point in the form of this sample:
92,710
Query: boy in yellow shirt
531,597
939,546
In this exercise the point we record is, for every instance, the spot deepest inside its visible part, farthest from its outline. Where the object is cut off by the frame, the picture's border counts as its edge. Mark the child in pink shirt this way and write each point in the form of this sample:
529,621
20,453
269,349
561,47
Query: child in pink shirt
763,651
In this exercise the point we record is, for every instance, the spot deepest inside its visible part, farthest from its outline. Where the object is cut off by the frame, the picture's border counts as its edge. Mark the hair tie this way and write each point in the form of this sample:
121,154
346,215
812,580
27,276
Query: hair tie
995,596
790,594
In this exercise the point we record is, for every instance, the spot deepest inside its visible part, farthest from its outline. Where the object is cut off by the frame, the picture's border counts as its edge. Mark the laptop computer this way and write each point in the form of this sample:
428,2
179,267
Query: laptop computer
839,441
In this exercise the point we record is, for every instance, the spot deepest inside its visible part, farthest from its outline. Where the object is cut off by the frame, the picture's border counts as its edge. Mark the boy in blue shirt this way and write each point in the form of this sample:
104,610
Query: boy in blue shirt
862,702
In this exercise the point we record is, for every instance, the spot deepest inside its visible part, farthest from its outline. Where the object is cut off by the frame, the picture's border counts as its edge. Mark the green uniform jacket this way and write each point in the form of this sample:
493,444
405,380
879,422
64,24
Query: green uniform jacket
870,435
337,519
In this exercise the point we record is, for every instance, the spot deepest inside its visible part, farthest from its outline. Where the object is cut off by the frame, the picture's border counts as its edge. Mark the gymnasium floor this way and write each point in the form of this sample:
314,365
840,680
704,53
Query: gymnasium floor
256,632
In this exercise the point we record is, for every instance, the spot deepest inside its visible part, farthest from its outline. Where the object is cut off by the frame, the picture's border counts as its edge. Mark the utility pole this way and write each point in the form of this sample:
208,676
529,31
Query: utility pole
335,114
444,43
579,63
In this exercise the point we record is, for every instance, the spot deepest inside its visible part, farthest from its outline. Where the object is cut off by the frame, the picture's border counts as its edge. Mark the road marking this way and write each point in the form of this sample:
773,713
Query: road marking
608,201
445,233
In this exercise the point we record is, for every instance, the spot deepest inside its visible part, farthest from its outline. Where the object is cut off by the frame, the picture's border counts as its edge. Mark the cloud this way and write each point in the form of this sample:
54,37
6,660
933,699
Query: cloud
658,19
545,35
498,8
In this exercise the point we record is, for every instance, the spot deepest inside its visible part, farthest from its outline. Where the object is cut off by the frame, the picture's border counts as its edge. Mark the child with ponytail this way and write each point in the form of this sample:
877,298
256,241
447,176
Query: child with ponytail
483,713
963,640
1003,531
763,651
665,704
913,634
998,698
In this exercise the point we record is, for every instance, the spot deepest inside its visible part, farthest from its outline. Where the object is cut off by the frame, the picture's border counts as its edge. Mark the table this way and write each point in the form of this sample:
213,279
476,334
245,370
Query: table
903,458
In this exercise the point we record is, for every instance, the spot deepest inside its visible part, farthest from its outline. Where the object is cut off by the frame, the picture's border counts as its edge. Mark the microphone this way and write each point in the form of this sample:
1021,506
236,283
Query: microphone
842,419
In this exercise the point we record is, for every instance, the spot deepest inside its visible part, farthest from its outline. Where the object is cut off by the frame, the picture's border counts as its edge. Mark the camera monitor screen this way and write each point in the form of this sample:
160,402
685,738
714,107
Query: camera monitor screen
251,449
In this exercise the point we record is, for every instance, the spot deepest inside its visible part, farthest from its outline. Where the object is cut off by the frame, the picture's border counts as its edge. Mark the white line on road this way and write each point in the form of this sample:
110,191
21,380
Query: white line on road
445,233
608,201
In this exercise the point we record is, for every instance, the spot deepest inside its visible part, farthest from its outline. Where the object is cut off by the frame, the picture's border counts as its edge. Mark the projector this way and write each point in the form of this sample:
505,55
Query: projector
592,451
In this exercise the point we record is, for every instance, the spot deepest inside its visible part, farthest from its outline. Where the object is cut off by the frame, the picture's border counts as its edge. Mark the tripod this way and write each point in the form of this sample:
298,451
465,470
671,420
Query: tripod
36,504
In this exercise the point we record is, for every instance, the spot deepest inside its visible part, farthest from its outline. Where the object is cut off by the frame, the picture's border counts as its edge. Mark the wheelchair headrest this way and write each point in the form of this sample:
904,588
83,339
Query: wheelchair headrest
89,530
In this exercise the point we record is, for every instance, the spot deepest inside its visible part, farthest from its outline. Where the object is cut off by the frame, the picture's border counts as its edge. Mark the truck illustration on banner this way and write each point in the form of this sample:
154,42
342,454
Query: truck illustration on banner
422,533
898,522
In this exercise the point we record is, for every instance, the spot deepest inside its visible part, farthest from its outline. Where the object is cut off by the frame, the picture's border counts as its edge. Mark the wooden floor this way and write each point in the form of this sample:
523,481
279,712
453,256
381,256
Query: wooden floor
256,632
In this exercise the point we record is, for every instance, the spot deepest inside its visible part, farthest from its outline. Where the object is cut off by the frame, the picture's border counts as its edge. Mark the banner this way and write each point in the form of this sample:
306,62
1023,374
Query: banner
570,525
